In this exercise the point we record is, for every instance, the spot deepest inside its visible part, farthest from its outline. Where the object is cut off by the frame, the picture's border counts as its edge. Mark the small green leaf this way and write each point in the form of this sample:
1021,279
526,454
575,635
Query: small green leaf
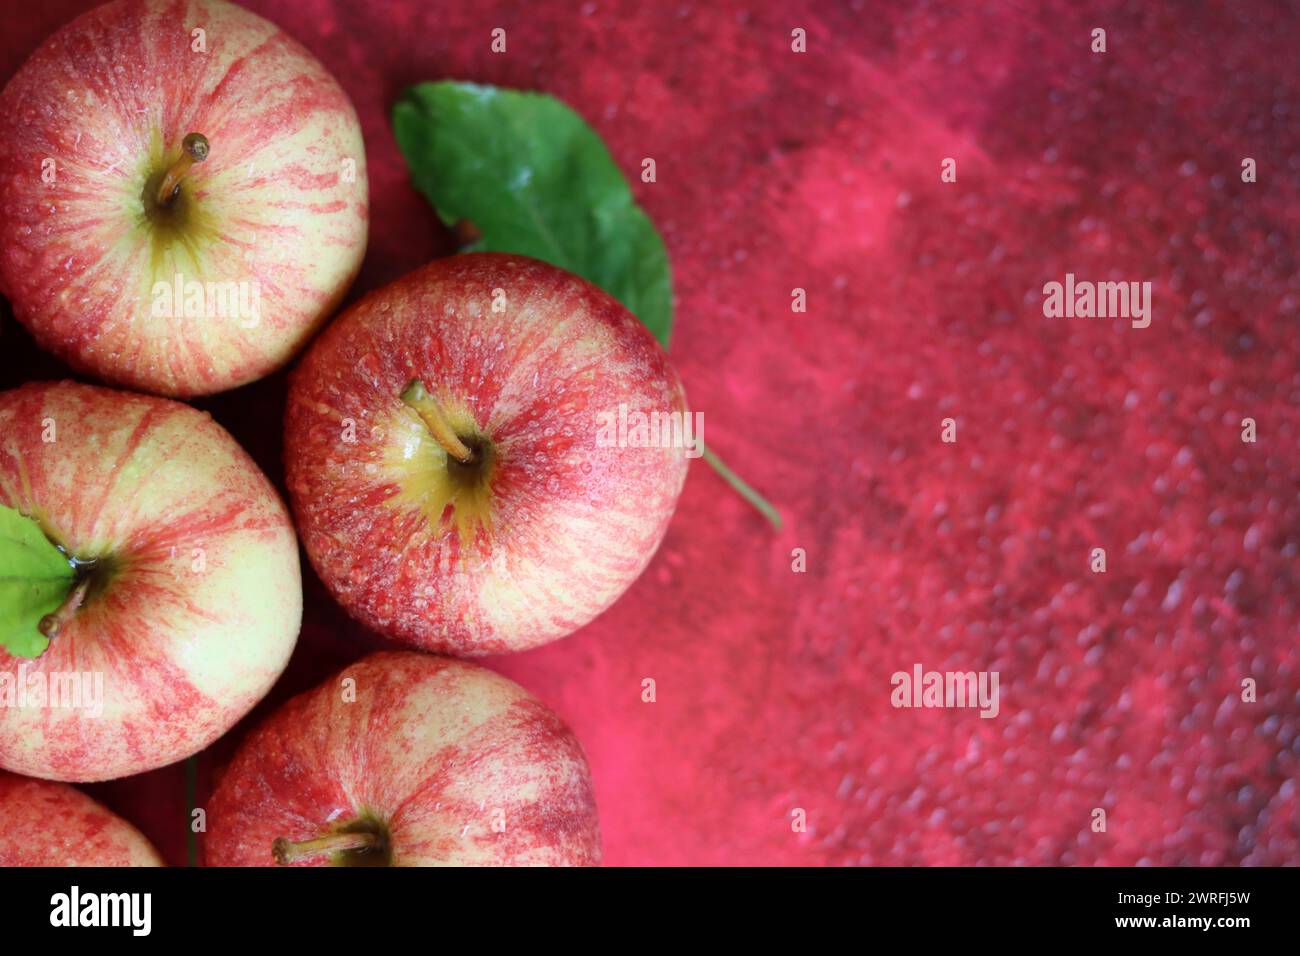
535,179
35,577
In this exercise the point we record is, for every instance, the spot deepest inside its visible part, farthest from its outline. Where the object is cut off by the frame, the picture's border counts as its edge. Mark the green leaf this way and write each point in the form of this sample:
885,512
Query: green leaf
535,179
35,577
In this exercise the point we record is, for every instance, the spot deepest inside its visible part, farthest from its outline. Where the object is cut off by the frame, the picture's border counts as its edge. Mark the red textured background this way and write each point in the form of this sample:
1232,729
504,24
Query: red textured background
821,171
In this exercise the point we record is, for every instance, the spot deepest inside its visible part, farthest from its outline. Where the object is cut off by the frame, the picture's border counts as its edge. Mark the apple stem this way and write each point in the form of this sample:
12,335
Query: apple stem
287,851
51,624
426,406
194,149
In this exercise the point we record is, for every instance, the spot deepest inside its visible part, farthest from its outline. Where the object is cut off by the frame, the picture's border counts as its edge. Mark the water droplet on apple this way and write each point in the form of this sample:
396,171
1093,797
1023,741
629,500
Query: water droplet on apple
369,365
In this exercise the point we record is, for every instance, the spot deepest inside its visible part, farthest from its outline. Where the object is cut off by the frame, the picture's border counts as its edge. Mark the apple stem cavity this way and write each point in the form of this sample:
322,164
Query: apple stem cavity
417,397
194,149
54,622
287,851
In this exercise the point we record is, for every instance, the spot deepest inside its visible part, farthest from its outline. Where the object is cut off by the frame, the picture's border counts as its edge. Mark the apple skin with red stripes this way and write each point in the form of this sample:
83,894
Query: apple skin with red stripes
559,513
53,824
195,594
430,760
224,281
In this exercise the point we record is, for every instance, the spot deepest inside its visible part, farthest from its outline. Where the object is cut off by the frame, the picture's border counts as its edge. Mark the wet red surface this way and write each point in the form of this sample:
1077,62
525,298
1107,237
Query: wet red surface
820,171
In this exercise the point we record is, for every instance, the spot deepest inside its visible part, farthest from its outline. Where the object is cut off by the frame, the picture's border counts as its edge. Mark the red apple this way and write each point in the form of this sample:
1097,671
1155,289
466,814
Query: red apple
187,598
405,759
449,458
52,824
184,196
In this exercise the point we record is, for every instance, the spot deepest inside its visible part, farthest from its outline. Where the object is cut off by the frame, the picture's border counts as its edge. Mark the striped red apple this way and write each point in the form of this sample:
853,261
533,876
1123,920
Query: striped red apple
186,599
449,459
53,824
407,759
184,195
